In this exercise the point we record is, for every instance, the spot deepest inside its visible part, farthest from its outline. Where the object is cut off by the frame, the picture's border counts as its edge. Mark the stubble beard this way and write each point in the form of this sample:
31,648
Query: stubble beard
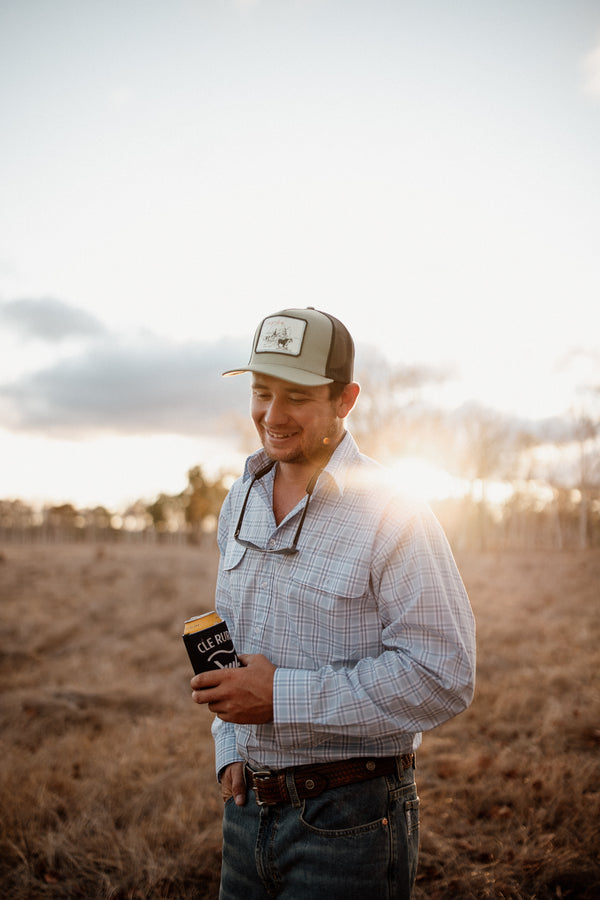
319,451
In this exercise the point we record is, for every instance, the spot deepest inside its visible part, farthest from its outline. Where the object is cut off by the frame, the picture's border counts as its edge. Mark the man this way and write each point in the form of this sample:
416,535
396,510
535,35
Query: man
355,634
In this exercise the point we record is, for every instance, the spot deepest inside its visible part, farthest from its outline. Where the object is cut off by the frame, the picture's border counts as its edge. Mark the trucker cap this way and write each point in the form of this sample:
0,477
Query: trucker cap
304,346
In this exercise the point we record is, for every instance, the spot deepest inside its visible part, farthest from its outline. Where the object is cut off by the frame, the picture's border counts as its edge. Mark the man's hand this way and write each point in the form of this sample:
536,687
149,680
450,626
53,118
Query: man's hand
243,695
233,784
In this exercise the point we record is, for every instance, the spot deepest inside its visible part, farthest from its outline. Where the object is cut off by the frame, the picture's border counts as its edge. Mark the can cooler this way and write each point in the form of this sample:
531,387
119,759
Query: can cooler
208,643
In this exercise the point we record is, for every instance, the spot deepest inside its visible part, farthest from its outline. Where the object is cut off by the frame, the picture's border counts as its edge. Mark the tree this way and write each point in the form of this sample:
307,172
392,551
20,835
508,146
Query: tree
586,433
485,449
203,499
585,422
392,414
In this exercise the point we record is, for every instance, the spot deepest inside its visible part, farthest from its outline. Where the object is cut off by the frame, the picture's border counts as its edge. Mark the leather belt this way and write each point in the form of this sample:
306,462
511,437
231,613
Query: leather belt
272,787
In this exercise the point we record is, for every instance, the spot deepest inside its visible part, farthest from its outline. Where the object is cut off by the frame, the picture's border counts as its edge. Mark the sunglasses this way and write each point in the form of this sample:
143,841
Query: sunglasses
293,548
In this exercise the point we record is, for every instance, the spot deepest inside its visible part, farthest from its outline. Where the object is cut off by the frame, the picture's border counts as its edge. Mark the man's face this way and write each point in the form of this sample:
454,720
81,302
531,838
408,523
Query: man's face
296,424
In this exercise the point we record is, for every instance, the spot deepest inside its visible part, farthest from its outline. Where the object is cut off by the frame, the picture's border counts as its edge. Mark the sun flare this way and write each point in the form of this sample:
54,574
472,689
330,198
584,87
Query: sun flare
425,481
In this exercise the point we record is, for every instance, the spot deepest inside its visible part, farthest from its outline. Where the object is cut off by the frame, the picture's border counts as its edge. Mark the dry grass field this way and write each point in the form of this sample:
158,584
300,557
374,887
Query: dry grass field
106,777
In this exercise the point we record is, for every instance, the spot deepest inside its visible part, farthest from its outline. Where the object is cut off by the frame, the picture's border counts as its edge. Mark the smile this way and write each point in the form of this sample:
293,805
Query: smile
277,436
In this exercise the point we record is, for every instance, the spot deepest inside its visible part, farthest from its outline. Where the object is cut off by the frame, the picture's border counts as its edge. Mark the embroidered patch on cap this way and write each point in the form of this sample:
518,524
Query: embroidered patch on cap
281,334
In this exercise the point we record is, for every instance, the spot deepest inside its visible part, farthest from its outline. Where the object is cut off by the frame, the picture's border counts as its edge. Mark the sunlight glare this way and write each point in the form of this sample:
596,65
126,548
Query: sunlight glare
425,481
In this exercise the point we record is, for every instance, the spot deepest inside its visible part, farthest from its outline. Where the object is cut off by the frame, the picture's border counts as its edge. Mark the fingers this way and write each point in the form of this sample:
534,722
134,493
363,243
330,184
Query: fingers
208,679
233,784
242,695
202,696
205,684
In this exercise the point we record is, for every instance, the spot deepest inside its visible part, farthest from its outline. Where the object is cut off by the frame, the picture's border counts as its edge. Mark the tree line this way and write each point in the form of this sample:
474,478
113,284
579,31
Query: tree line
187,516
548,471
523,484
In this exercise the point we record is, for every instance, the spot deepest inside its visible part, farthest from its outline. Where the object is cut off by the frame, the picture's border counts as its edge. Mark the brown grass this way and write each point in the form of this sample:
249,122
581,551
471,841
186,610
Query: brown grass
107,783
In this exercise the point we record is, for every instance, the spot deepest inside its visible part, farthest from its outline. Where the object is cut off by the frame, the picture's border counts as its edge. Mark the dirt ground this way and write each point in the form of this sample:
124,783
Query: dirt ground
107,785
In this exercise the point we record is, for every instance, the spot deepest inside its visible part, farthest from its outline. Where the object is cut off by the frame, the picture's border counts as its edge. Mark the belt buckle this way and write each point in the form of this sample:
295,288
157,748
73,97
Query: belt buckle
258,775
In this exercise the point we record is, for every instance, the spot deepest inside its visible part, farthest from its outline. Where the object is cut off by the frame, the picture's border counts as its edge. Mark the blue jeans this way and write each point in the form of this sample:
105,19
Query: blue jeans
351,843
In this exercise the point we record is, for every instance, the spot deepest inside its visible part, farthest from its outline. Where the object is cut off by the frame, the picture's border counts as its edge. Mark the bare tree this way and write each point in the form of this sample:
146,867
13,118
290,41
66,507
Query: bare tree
586,433
484,449
393,415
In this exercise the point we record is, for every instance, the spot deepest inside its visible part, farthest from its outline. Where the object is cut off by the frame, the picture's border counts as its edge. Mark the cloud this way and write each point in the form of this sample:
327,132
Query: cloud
47,319
122,384
591,72
147,387
118,383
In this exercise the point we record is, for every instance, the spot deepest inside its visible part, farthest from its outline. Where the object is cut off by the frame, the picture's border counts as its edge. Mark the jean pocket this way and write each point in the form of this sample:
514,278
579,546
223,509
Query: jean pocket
411,813
351,810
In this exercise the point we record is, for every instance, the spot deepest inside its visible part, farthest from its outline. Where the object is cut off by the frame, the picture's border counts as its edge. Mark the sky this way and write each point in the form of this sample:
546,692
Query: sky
170,173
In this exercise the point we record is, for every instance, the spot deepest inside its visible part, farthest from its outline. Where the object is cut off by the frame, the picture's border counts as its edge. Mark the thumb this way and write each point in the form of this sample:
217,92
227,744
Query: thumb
238,786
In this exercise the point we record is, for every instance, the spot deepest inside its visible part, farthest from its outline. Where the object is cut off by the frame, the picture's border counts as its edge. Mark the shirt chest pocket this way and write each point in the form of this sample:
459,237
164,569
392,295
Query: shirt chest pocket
234,554
333,614
231,582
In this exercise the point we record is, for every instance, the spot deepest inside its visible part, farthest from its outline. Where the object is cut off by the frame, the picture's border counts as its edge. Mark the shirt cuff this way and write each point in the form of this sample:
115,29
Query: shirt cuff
293,690
226,751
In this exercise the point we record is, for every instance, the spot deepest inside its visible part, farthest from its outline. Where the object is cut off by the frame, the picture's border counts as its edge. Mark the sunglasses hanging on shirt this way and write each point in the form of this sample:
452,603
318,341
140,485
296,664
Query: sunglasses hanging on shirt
287,551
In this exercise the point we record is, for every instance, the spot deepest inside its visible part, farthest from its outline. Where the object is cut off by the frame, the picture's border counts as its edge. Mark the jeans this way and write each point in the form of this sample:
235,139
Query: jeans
353,842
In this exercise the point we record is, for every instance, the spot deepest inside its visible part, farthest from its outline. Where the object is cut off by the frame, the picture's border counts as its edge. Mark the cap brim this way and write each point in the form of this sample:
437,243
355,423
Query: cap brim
285,373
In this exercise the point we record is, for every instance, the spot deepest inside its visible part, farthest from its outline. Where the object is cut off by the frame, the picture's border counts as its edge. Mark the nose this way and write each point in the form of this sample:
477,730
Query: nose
275,412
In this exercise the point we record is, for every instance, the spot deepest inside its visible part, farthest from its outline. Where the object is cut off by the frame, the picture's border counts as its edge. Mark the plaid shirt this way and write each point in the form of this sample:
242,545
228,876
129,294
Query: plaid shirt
369,623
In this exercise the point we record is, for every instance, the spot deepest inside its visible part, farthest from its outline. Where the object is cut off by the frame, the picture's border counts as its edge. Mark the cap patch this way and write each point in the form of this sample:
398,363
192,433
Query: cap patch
281,334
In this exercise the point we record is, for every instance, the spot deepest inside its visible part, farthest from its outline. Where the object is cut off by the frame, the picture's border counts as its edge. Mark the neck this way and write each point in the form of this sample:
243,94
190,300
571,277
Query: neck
292,483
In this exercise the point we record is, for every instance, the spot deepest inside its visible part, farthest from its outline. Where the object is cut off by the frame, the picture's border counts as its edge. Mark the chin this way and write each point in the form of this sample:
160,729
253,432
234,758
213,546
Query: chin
285,456
280,454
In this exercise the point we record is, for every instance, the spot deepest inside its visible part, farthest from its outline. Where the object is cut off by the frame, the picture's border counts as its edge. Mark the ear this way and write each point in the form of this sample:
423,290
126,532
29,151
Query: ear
347,399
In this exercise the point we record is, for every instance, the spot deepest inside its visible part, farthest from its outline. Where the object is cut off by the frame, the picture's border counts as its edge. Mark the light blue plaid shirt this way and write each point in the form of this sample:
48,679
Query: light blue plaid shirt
369,623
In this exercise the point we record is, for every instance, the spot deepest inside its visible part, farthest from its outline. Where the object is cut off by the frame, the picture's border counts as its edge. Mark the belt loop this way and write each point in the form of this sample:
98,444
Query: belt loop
402,768
291,786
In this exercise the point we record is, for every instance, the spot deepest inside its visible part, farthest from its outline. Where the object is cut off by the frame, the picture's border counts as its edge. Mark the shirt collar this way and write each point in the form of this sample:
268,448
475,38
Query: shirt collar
345,455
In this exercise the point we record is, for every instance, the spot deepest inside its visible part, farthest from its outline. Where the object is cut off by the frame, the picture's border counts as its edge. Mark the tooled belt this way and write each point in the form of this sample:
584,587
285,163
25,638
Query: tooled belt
271,787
